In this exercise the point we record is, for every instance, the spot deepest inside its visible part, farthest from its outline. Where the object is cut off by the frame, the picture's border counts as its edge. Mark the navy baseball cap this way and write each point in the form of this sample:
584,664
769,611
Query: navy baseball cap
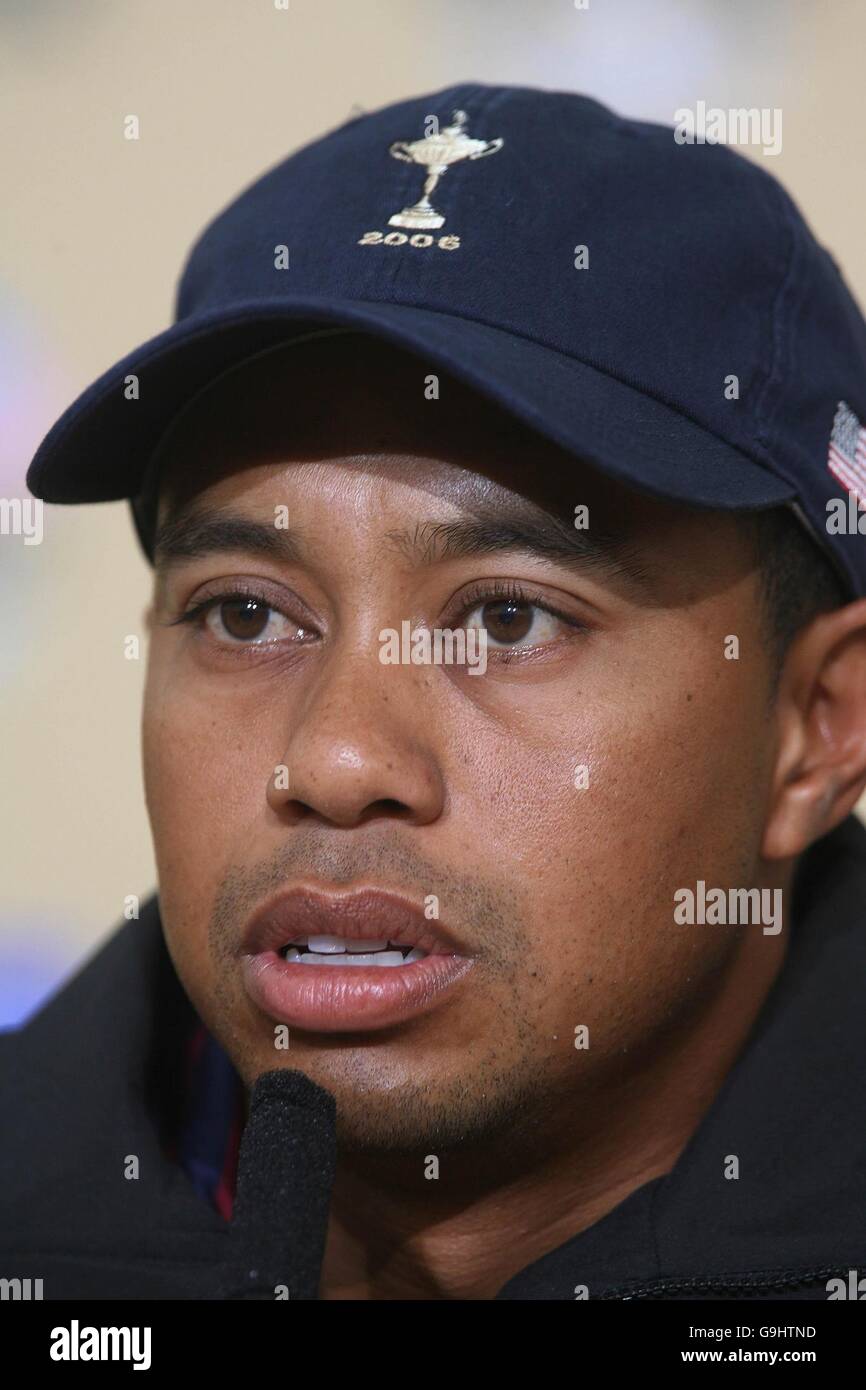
659,309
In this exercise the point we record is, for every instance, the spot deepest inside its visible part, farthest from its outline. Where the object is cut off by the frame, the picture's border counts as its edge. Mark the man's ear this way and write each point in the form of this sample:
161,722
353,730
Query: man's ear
820,770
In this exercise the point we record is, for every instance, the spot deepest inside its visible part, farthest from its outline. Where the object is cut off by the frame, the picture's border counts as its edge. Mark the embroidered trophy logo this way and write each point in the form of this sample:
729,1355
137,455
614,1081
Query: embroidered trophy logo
435,153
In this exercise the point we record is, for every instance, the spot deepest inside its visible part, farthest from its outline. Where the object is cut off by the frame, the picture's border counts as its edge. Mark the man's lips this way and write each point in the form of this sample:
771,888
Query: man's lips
332,996
365,914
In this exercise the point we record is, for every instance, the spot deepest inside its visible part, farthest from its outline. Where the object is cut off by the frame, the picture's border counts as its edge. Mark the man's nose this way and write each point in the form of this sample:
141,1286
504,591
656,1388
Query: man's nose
363,744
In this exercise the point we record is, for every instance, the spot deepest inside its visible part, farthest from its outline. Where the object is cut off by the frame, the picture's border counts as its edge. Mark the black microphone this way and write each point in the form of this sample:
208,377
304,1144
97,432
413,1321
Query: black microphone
286,1166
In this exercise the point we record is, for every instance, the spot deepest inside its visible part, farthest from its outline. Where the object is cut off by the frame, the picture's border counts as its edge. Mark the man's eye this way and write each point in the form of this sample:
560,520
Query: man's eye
240,618
512,622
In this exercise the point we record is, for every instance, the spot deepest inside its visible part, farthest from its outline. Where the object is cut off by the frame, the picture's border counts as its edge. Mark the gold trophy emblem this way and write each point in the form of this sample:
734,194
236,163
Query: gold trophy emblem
437,152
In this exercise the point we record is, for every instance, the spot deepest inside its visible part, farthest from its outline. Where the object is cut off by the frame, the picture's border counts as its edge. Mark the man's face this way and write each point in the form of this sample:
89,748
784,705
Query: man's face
607,756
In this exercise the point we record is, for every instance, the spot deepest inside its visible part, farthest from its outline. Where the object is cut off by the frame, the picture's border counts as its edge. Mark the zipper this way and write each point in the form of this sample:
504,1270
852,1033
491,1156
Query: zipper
725,1285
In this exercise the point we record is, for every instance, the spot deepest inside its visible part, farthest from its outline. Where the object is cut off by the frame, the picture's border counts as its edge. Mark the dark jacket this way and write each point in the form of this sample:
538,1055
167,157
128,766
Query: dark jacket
93,1077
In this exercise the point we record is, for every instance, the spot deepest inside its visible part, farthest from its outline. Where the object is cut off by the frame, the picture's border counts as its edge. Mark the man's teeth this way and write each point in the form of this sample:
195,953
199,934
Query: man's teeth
328,945
339,950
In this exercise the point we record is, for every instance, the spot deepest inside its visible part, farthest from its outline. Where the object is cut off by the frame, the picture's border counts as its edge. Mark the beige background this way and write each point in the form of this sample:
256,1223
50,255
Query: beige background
92,238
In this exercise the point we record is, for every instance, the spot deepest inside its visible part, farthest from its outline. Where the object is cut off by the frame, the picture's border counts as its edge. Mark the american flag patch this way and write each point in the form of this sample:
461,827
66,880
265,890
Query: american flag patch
847,457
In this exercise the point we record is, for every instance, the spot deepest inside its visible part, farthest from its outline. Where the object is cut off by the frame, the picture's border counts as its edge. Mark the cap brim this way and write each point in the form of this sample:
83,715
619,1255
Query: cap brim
99,448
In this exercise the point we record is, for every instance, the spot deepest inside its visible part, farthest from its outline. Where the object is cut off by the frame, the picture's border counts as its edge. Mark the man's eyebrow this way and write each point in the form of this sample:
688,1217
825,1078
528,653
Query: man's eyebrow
193,534
539,534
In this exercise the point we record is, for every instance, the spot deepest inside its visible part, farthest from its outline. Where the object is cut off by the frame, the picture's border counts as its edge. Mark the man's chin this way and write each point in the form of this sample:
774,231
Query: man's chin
395,1113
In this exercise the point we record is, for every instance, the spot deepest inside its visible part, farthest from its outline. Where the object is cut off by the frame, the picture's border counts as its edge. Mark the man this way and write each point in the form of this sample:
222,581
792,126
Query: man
526,966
